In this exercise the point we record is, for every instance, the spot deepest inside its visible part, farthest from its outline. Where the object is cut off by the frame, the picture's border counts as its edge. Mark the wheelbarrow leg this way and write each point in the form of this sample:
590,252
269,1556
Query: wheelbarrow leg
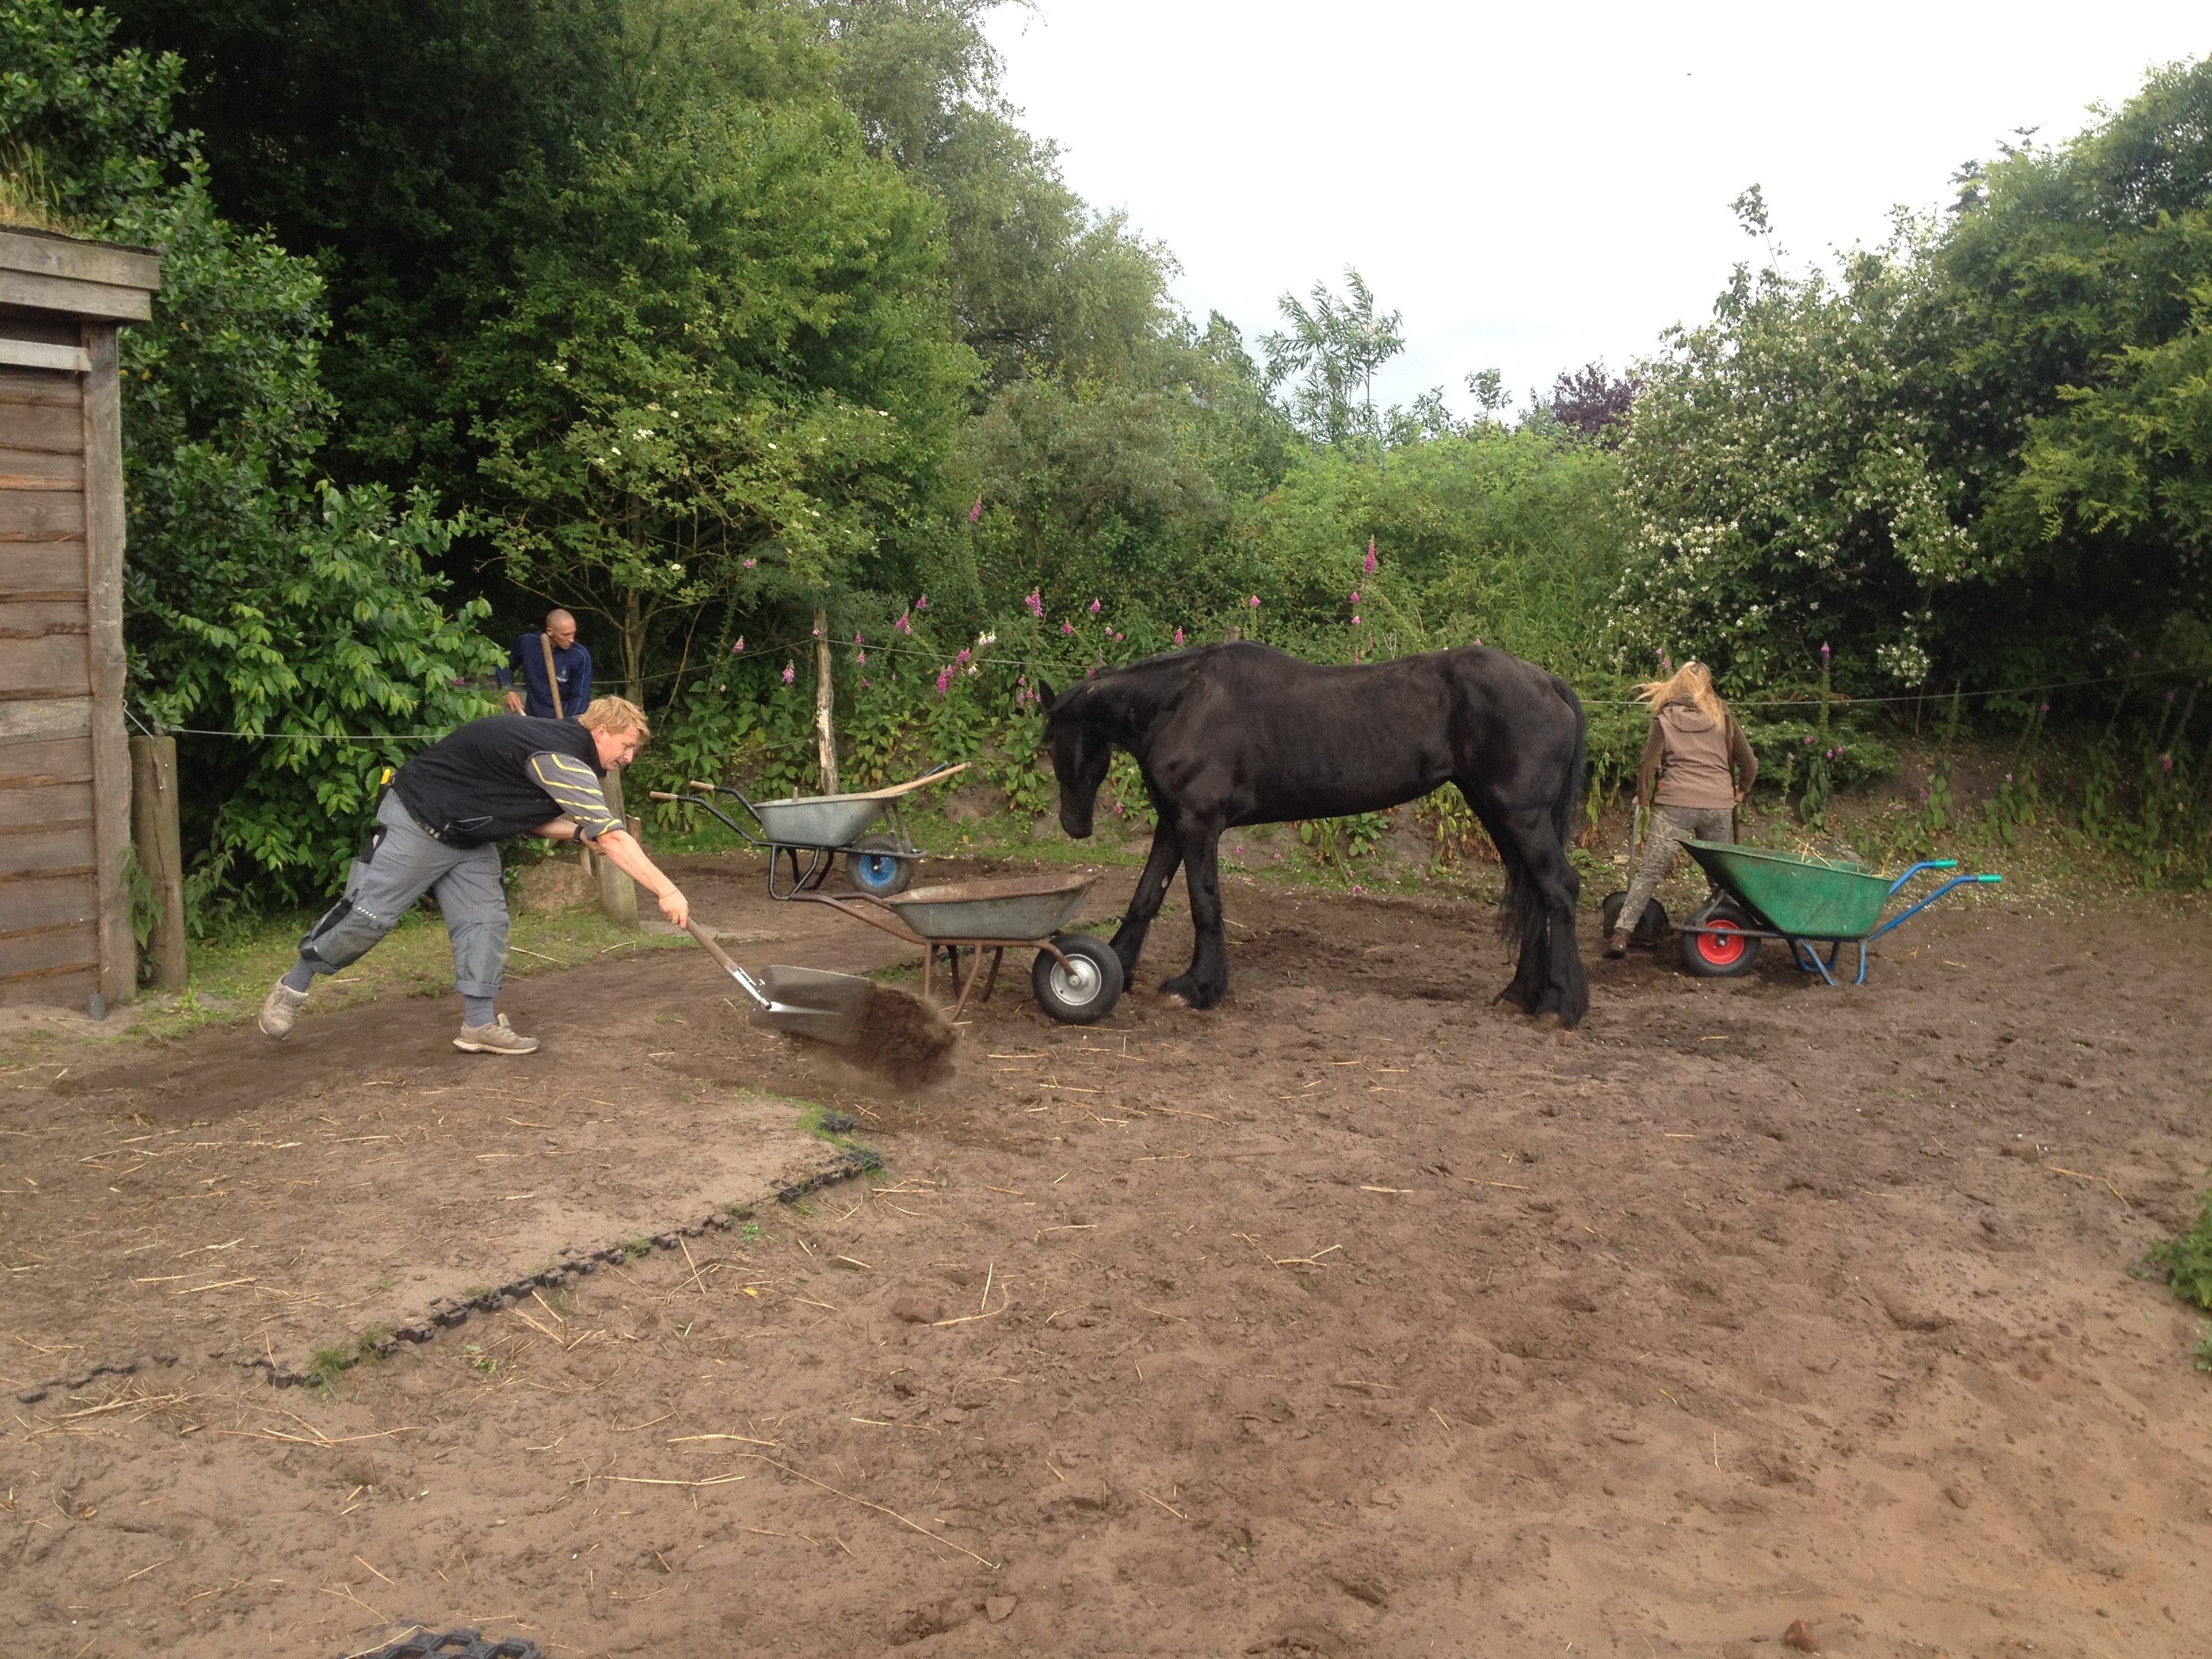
991,983
976,975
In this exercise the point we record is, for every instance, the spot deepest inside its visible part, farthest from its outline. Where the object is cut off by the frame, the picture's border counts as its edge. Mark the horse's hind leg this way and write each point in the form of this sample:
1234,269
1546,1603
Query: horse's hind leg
1538,916
1128,941
1208,981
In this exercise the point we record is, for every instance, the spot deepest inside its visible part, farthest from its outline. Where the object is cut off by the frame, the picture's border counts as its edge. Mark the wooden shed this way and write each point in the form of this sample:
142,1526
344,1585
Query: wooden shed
65,933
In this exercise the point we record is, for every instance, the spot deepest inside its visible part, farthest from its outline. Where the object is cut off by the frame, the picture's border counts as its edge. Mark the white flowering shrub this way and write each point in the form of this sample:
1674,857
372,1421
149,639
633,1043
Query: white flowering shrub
1776,471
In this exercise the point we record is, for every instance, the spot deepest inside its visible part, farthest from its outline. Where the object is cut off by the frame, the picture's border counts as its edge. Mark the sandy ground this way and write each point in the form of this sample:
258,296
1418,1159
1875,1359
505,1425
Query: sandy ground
1356,1318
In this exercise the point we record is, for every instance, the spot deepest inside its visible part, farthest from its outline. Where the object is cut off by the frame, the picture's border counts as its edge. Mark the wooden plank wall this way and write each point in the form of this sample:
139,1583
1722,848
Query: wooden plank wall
50,945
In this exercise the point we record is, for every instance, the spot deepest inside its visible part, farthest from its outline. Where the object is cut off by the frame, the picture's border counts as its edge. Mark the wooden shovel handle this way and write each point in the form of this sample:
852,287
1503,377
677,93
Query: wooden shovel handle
692,927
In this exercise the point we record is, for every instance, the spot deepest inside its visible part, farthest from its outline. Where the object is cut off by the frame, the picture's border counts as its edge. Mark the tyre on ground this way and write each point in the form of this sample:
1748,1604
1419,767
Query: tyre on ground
1650,927
1087,989
874,867
1728,949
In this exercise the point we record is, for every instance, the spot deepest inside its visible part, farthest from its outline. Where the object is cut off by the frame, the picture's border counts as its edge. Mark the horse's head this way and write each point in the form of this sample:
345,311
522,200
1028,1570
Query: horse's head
1080,754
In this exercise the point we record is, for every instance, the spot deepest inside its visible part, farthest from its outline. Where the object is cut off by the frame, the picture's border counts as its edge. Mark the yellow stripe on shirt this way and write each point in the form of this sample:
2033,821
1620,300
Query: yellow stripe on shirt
575,790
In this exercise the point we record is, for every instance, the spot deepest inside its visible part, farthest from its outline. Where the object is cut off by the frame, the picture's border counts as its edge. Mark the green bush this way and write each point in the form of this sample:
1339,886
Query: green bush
2187,1260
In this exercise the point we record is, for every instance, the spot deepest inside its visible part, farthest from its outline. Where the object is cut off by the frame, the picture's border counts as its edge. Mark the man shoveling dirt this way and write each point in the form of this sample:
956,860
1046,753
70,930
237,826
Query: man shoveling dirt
436,827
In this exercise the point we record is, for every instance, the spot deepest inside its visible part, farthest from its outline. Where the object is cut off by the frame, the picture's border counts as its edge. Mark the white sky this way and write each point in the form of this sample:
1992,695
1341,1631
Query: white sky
1534,186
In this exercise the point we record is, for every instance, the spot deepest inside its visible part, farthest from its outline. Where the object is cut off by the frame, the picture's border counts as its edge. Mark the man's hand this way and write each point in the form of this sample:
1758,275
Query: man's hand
513,700
676,907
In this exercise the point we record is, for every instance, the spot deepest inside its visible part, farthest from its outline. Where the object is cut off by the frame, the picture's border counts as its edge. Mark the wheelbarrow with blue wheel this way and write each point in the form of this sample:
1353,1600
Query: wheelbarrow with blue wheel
1806,902
820,827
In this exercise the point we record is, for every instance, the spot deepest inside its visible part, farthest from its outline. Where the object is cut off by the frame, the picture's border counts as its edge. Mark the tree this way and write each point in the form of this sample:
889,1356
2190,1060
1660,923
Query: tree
723,370
2062,344
1782,485
1333,347
1593,403
1038,283
258,600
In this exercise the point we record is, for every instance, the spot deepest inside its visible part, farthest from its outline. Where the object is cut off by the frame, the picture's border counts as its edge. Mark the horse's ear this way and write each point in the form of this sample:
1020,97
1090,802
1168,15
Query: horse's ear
1046,693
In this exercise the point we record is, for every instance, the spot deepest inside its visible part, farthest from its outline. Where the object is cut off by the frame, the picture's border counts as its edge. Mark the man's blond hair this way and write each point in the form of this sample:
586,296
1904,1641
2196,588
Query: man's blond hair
615,714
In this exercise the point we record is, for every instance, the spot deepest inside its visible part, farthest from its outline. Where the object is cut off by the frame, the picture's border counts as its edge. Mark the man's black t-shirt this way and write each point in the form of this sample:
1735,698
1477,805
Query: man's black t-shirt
477,784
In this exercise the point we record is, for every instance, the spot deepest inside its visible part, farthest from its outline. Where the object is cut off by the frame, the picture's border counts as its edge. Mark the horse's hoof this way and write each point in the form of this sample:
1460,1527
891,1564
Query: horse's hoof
1174,999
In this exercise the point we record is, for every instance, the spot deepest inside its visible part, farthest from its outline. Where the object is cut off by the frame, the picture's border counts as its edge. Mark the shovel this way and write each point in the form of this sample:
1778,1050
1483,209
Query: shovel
808,1002
899,1035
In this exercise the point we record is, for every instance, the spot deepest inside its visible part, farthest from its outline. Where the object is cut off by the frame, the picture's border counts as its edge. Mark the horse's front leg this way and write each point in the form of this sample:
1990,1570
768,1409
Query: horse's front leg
1208,981
1128,941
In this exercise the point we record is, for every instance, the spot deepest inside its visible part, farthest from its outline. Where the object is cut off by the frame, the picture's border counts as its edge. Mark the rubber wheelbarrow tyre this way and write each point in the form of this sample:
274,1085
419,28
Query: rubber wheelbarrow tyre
1725,954
871,867
1085,991
1650,927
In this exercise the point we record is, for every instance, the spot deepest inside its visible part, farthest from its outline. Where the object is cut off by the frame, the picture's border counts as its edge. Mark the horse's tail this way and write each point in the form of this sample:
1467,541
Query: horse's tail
1574,788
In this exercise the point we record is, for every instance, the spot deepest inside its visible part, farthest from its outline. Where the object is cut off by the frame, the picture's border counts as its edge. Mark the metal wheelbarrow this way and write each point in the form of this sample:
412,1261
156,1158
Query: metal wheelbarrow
822,826
1802,901
1077,978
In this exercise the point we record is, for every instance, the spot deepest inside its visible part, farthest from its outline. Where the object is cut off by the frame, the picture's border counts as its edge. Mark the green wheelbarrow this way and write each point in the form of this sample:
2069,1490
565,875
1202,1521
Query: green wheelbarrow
1804,902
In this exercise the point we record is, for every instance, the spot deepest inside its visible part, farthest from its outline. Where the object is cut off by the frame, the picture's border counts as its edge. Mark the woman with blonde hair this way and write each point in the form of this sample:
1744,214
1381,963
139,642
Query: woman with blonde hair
1703,769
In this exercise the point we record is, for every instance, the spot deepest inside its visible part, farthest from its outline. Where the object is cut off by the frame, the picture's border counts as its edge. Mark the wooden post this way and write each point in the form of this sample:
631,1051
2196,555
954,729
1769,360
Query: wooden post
161,850
111,756
826,695
617,892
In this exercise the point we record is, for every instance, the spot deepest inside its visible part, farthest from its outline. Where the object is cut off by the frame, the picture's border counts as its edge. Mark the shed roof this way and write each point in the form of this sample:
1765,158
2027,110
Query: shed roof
76,275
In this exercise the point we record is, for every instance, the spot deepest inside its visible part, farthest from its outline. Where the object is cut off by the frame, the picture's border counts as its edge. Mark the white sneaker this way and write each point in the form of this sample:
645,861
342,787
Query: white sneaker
279,1009
497,1038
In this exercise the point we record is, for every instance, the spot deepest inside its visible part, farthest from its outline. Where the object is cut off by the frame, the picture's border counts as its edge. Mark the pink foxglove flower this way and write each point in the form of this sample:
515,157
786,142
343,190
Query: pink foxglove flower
904,626
737,649
751,564
1036,603
1067,628
945,679
1370,566
976,511
1355,619
1178,639
790,673
922,604
1094,607
1254,601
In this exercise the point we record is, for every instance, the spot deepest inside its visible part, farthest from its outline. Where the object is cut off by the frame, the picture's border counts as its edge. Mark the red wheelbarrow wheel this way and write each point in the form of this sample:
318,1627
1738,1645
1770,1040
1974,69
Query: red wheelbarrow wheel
1724,951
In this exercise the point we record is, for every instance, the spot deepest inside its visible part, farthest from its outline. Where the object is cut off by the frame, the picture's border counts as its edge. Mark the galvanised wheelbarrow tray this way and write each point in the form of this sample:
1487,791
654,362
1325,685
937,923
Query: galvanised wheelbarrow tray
822,826
1077,978
1803,901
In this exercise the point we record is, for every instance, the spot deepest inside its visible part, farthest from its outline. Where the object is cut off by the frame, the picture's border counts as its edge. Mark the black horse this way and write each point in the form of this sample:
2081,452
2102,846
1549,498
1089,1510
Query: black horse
1243,733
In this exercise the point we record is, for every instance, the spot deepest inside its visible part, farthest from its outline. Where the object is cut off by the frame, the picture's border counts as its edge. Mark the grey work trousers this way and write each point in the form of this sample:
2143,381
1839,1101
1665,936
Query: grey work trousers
403,864
1665,829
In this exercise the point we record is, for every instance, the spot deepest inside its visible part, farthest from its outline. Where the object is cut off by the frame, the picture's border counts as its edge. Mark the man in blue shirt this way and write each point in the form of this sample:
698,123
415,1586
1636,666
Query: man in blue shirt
571,678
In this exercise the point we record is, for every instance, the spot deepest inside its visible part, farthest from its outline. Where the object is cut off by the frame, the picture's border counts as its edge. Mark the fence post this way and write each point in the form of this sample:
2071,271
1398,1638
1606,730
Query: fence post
826,695
160,851
617,892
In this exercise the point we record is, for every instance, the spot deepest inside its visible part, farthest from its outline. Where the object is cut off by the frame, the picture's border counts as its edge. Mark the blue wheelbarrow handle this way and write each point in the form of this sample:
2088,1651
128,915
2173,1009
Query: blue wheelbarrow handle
1914,910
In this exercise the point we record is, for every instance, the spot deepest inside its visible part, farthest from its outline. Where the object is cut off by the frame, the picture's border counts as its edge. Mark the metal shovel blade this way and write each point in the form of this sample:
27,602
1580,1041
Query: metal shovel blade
812,1002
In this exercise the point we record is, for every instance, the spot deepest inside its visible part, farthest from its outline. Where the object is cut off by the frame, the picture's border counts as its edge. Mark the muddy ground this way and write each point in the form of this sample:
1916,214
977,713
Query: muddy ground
1356,1318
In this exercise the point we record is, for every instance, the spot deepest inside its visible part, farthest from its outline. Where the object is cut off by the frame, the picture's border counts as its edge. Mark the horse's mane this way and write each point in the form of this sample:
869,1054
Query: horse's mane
1118,701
